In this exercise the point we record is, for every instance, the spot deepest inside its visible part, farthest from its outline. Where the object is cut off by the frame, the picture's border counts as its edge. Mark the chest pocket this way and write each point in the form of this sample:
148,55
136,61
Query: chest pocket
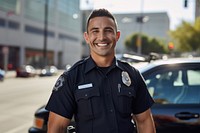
88,102
126,98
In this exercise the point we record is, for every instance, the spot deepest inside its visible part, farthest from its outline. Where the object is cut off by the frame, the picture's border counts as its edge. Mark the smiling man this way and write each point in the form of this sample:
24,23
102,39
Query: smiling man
102,93
102,36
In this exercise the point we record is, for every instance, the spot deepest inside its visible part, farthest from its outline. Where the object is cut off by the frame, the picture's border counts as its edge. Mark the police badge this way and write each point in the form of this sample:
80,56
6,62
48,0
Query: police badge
59,83
126,79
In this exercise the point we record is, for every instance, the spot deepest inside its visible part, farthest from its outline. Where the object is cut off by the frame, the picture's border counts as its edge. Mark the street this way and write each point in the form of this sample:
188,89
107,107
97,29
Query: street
19,99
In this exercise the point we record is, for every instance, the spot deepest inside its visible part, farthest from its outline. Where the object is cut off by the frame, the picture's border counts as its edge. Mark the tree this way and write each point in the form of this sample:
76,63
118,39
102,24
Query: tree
187,36
148,44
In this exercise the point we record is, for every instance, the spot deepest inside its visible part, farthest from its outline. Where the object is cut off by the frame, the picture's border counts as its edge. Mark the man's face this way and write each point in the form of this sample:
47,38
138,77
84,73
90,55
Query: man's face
102,36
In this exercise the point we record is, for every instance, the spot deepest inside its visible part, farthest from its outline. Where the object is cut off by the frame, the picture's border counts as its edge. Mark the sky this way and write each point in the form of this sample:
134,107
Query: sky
174,8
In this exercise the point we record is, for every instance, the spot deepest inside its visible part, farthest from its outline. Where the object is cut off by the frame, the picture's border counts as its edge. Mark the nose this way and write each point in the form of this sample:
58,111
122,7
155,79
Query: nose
102,36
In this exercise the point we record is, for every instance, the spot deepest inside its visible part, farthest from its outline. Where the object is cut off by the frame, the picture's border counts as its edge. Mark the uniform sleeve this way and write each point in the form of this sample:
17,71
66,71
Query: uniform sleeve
62,100
143,99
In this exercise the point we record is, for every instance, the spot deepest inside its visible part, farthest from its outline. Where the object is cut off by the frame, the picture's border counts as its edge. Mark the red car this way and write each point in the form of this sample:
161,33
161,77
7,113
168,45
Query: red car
25,71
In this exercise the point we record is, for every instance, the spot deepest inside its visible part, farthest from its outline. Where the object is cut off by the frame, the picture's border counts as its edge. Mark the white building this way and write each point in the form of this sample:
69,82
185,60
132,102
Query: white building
155,25
22,32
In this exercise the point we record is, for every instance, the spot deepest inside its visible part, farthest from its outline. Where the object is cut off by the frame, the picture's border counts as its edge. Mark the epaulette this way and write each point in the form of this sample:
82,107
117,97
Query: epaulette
123,62
80,62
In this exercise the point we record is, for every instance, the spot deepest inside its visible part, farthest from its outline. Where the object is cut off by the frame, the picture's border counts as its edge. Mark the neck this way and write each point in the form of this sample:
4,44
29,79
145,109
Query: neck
102,61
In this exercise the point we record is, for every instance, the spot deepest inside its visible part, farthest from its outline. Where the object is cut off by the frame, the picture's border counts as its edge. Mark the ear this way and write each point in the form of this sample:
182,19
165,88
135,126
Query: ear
86,37
118,35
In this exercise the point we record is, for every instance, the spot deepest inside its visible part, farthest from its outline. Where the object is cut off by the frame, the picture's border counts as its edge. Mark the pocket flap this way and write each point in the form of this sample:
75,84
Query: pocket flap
129,92
87,93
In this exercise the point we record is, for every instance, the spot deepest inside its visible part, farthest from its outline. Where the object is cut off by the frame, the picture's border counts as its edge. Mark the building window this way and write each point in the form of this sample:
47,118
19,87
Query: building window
8,5
13,25
2,22
64,36
35,30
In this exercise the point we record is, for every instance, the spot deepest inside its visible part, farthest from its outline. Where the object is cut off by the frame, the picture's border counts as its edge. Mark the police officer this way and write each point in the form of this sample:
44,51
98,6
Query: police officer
102,93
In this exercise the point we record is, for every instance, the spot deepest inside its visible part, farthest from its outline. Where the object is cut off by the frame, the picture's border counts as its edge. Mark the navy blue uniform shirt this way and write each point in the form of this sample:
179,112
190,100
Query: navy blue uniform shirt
101,99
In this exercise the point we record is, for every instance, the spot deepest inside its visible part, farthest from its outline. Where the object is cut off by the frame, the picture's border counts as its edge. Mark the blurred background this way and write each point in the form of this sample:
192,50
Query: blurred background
49,32
42,38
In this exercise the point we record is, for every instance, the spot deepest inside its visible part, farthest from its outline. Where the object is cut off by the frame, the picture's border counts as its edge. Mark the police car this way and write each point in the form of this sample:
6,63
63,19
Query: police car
175,86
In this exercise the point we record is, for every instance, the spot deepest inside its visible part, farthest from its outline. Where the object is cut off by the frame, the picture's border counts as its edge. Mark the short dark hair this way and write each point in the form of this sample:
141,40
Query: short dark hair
100,13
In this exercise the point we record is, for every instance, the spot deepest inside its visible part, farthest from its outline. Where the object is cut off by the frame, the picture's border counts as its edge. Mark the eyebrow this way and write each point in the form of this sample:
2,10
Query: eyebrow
109,28
96,28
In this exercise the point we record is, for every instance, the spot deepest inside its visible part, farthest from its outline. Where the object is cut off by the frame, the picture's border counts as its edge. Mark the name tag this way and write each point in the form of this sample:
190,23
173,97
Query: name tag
85,86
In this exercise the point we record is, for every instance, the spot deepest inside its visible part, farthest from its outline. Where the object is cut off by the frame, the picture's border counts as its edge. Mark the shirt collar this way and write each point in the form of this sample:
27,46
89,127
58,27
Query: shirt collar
90,64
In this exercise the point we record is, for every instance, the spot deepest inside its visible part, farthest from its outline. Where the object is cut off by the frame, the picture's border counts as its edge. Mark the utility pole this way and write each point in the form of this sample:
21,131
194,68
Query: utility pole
45,32
197,8
139,38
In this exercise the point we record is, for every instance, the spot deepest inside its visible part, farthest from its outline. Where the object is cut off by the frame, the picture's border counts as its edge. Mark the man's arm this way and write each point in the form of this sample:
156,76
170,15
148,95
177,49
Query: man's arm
144,122
57,123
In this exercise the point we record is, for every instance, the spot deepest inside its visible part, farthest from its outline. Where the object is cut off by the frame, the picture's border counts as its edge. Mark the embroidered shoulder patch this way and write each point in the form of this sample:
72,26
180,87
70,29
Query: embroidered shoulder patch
59,83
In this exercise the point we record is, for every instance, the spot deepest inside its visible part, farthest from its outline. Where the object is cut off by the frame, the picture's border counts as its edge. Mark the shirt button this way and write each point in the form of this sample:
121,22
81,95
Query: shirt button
86,95
111,111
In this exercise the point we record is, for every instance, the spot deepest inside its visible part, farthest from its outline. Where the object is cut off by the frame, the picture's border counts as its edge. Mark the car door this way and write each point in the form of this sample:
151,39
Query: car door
176,91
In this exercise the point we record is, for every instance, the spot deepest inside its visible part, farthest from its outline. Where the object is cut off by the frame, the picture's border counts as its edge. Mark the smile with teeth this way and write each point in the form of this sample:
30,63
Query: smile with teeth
101,44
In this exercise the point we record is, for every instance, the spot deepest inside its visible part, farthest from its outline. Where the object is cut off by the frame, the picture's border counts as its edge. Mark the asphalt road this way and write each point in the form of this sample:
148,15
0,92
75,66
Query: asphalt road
19,99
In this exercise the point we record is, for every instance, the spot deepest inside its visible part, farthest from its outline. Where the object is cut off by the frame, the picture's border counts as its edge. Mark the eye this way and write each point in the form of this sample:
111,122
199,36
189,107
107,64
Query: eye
109,30
94,31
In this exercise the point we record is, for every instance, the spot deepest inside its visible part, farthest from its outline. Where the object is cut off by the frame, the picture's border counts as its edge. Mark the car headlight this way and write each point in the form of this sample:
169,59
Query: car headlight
44,71
38,123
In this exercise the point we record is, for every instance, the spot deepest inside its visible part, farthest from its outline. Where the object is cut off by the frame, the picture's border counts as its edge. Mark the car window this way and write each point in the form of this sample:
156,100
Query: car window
193,77
174,86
